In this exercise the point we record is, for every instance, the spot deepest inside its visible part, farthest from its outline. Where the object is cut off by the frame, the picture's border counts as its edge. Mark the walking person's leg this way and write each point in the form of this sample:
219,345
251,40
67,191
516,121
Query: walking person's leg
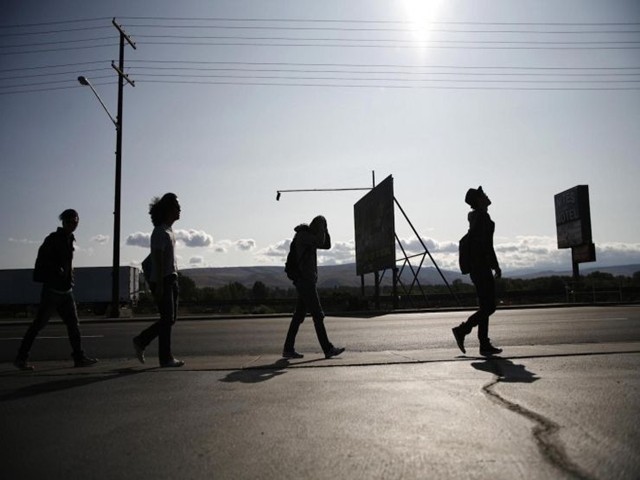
484,283
45,310
315,309
289,350
168,313
69,315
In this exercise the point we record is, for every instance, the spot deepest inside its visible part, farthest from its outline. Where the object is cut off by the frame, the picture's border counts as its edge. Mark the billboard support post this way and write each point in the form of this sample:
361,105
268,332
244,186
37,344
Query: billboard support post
573,226
377,241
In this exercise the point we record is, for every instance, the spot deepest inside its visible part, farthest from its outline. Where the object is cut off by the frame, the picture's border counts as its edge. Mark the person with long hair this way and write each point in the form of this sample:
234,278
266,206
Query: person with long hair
164,213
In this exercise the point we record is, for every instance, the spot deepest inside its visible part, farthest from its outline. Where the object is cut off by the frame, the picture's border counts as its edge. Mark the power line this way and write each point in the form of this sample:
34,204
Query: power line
62,65
63,49
361,79
382,22
373,65
373,72
68,72
404,87
51,32
23,89
336,39
50,82
485,46
59,42
61,22
378,29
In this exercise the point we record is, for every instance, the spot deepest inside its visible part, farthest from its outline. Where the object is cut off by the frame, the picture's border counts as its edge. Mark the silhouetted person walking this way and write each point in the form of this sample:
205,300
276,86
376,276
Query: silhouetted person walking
302,268
164,280
54,268
482,262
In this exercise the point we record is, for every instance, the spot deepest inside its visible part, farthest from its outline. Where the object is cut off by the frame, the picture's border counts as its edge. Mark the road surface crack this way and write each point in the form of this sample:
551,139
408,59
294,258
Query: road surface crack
545,431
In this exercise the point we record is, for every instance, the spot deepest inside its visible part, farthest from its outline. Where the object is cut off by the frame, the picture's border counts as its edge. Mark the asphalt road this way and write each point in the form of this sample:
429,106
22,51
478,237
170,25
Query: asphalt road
562,401
388,332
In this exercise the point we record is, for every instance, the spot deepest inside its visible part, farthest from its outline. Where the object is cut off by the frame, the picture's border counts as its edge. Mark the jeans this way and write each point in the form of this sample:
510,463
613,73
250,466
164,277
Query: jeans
308,301
486,290
168,309
51,302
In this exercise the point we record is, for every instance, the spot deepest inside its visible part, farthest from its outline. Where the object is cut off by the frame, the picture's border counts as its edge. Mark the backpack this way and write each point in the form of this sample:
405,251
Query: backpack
464,254
146,269
291,265
40,269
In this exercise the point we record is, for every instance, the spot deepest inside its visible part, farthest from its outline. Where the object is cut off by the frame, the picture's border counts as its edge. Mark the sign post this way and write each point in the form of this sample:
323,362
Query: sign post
573,226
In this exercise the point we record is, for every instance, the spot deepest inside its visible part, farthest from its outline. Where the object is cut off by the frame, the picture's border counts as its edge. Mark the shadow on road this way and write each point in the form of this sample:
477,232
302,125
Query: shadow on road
506,370
261,373
65,384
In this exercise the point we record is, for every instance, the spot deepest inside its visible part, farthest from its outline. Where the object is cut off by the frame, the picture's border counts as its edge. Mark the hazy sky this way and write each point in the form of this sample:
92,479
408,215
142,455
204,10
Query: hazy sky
235,100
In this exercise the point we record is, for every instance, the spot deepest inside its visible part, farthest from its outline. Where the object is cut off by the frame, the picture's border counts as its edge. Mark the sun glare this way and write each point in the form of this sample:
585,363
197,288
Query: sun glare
421,14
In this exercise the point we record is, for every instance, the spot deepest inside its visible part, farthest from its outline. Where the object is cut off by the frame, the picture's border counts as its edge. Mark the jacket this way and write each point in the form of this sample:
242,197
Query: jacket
482,253
306,251
56,255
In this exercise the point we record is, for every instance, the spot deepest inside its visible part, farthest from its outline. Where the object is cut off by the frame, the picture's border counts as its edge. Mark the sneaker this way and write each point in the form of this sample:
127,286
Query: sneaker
23,365
139,349
291,354
487,350
459,336
335,351
173,363
84,361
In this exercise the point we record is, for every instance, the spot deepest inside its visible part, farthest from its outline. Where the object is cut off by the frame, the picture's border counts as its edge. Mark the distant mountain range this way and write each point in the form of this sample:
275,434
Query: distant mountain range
345,275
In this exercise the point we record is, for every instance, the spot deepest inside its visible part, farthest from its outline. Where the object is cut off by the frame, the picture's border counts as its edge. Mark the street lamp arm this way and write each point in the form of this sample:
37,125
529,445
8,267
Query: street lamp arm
84,81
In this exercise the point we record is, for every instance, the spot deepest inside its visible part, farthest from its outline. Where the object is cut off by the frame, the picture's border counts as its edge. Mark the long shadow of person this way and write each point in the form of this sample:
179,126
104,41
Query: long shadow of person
261,373
257,373
506,370
65,384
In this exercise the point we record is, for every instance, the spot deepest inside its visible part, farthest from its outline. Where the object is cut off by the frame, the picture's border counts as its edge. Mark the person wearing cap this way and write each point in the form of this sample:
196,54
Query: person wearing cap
54,270
482,265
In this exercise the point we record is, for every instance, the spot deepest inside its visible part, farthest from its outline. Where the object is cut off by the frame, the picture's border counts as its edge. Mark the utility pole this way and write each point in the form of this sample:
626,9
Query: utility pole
122,77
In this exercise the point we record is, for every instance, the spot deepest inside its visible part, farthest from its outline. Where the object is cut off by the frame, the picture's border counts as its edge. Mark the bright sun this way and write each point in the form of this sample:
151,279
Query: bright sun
421,13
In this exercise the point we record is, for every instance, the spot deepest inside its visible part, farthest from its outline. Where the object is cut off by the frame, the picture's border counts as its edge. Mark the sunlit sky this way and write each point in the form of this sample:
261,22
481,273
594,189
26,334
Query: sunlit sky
234,100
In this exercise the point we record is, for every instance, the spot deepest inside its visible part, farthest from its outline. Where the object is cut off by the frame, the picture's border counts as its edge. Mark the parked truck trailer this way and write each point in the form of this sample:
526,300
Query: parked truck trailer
92,286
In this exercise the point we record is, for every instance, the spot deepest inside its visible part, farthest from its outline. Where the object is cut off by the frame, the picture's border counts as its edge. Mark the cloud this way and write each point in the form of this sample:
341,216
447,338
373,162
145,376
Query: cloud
196,261
245,244
101,239
23,241
535,253
222,246
189,238
139,239
340,253
194,238
274,253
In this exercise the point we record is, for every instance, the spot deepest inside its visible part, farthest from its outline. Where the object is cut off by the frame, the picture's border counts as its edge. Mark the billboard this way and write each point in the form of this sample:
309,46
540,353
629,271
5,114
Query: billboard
573,217
375,229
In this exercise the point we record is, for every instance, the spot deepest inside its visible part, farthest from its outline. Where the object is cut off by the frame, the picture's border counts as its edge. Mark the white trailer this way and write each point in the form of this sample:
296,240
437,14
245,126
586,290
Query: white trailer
92,286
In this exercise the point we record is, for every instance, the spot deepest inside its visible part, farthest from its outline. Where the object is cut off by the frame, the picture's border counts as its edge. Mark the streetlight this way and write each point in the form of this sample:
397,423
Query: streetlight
122,77
115,270
84,81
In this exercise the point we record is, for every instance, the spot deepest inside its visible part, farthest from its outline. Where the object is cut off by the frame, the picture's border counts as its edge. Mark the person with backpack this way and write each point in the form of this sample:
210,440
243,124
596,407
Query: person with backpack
302,268
478,258
163,273
54,270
